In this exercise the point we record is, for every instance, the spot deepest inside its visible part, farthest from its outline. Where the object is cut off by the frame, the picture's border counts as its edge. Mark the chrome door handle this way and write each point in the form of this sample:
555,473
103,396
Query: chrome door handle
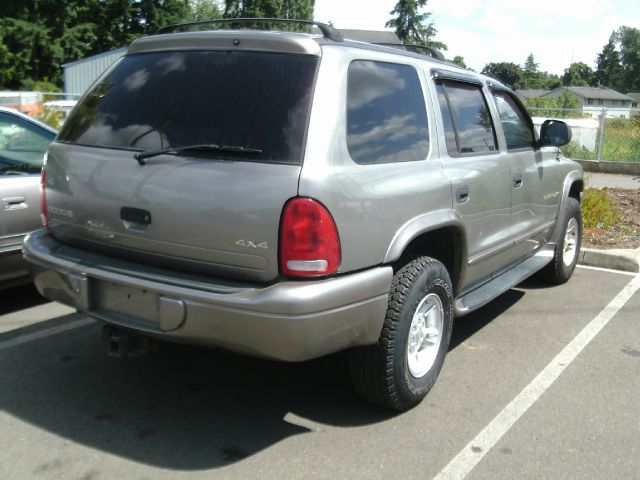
517,181
462,194
13,203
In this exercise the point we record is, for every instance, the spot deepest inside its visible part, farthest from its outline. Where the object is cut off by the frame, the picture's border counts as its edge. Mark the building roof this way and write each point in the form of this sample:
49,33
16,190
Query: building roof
597,93
634,95
370,36
531,93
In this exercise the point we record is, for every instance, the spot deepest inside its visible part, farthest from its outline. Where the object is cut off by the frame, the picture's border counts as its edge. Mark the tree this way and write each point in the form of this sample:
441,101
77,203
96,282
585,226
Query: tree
411,26
629,39
295,9
560,107
531,76
506,72
459,60
608,66
36,38
578,74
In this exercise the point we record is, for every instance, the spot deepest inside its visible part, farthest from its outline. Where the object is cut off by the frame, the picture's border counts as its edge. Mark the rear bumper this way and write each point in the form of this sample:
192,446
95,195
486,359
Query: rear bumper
291,321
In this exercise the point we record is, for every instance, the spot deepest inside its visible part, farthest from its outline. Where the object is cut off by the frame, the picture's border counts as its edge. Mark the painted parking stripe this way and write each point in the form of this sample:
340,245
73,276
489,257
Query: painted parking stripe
463,463
47,332
607,270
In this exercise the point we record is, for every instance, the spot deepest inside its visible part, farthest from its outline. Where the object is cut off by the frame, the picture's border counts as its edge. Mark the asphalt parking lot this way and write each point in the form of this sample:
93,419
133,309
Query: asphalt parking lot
541,383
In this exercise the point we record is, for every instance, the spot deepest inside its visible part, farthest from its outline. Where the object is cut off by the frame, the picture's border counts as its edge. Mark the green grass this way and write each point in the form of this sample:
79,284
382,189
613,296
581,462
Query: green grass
621,143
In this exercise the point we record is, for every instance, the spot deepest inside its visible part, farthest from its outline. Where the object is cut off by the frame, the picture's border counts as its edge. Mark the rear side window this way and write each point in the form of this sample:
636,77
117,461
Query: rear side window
386,115
466,118
517,128
158,100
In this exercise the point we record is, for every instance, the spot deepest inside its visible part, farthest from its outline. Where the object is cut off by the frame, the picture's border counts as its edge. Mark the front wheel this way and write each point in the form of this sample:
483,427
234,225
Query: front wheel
401,368
567,251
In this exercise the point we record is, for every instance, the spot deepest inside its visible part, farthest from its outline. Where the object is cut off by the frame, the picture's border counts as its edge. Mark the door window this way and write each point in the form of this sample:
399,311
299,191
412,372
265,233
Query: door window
517,128
468,126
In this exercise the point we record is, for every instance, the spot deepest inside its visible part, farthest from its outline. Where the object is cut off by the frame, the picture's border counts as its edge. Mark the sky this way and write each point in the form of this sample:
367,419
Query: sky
557,32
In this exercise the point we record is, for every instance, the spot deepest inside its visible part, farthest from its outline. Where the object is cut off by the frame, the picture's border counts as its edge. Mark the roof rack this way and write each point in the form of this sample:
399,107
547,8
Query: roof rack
327,30
415,48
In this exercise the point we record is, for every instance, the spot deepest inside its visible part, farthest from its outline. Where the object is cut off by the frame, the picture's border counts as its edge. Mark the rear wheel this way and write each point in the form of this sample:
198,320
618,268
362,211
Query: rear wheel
567,249
402,367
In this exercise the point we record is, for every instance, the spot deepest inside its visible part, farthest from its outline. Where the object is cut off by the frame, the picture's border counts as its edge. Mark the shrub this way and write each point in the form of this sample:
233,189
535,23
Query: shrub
598,209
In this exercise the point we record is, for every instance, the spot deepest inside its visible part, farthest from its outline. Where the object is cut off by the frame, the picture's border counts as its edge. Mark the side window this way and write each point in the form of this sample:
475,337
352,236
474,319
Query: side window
22,145
386,114
515,122
467,122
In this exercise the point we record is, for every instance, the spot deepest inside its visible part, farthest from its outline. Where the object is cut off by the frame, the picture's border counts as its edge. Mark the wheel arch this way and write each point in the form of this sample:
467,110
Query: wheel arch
439,235
572,188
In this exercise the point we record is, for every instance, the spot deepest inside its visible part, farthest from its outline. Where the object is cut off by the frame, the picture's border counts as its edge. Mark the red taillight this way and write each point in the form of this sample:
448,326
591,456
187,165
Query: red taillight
309,242
43,199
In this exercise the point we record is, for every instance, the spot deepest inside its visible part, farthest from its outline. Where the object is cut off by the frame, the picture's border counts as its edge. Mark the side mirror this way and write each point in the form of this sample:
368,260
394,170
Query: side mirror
554,133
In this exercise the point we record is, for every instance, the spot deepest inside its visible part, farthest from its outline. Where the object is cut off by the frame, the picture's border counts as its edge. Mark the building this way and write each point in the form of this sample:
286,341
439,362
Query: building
526,94
79,75
593,100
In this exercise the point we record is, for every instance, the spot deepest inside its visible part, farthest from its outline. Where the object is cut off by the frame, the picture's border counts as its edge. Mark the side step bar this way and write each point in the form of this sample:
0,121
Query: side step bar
482,295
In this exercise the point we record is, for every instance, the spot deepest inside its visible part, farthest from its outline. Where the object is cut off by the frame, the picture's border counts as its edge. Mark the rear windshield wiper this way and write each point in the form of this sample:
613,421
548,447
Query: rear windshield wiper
141,156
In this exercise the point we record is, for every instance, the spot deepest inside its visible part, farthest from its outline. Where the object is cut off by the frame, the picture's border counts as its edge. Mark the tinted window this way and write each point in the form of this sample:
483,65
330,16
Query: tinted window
386,115
22,145
467,121
172,99
515,123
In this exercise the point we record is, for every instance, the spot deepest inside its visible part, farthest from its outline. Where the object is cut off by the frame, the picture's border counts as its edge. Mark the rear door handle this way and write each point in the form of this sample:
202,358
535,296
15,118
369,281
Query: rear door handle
13,203
462,194
517,181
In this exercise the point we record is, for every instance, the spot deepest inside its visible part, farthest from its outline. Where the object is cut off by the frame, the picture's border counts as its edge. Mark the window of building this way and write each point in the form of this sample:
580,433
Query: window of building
386,114
468,126
600,101
590,101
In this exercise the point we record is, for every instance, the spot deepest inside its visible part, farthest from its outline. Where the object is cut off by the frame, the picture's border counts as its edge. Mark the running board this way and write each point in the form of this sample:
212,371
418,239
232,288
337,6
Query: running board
485,293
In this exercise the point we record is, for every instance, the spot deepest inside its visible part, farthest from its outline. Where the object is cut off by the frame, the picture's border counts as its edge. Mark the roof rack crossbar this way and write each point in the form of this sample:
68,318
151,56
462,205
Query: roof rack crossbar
415,48
327,30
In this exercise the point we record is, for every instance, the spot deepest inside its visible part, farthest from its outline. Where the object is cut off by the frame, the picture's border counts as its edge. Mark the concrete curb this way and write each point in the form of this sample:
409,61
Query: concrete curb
623,259
605,166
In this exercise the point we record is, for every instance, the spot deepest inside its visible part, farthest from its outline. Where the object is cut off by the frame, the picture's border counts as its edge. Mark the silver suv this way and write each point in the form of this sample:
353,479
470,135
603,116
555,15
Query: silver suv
289,195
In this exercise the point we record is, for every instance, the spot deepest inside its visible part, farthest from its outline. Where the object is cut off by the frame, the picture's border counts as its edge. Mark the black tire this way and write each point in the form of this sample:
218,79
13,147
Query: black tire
381,373
559,271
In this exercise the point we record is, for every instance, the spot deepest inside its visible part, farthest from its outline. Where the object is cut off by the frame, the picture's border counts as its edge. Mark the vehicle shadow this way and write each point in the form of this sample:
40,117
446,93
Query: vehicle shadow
467,326
185,408
19,298
181,408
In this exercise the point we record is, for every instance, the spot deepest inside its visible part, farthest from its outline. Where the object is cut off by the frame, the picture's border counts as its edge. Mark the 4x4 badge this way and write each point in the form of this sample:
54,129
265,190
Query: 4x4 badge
250,244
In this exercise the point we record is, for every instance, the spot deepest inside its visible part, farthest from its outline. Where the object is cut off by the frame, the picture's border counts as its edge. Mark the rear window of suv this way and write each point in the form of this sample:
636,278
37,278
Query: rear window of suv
150,101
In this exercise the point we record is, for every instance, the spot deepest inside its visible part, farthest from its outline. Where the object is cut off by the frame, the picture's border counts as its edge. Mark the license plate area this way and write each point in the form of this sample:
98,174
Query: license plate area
132,302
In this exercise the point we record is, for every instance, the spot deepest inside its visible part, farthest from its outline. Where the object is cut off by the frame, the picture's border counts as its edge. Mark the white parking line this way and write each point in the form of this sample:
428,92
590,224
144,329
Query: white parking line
30,337
476,449
608,270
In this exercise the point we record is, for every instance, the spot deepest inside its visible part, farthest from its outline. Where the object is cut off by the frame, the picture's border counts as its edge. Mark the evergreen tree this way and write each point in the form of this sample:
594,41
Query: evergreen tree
608,67
531,76
411,26
294,9
629,39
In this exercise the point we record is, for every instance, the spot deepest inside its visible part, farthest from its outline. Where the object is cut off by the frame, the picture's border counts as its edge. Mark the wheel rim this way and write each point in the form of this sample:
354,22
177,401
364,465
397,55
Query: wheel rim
570,243
425,335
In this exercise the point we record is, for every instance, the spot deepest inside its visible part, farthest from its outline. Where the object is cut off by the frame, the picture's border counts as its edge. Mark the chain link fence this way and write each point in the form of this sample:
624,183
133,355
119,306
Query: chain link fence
608,134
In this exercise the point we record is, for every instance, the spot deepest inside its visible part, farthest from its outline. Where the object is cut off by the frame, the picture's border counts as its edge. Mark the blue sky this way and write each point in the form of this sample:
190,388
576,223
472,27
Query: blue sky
482,31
